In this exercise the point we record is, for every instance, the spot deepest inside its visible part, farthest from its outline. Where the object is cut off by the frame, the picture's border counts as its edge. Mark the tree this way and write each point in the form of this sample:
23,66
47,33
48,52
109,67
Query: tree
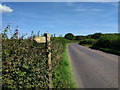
79,37
96,35
69,36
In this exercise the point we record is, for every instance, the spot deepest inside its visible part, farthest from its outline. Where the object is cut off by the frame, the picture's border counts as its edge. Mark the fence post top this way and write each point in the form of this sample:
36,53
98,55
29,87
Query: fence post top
47,34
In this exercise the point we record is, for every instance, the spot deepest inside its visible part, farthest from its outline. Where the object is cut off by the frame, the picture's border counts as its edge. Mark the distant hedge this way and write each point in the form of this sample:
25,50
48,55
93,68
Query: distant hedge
87,41
69,36
111,41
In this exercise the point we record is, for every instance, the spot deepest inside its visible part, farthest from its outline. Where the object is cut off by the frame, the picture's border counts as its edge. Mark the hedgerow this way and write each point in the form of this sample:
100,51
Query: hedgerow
111,41
62,77
25,63
87,41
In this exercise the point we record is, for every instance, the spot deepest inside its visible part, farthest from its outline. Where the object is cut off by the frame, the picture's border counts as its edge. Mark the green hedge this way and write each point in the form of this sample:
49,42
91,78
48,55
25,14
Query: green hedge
25,62
62,77
87,41
111,41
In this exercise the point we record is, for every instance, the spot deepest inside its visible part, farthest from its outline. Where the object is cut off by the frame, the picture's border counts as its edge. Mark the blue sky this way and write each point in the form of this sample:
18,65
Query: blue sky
80,18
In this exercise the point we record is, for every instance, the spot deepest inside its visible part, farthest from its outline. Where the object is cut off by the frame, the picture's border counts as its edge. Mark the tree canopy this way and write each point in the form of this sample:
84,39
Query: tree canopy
69,36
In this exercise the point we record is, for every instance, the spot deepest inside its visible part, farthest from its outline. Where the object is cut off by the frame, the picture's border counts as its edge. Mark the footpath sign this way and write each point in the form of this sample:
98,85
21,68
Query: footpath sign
40,39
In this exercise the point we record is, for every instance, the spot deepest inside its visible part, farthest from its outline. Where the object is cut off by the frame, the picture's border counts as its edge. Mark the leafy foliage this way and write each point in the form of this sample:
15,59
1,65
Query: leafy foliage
87,41
111,41
106,42
24,62
61,72
69,36
96,35
80,37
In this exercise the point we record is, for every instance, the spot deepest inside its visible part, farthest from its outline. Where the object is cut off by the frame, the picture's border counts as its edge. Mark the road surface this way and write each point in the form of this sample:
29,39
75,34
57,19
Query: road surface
93,68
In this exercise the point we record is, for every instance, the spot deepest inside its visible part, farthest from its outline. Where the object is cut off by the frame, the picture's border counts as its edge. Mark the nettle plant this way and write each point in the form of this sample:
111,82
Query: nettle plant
4,32
7,30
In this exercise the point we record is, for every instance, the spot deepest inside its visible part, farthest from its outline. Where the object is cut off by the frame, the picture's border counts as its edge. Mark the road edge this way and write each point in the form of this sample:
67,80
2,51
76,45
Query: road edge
70,65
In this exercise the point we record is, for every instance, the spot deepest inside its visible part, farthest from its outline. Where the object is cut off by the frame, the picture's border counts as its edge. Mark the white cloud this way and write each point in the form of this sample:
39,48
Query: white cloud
5,9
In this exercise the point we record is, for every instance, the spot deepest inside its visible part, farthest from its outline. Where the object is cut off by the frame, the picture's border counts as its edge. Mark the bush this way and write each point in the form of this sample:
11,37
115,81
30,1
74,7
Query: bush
24,64
58,62
87,41
80,37
69,36
96,35
111,41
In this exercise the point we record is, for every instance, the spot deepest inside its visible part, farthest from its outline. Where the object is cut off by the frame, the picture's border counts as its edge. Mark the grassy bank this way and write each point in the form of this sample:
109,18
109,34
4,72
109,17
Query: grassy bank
108,43
108,50
62,75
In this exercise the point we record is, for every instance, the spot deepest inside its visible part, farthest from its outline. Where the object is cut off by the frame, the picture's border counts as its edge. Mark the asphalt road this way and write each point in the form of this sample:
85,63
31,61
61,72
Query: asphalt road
93,68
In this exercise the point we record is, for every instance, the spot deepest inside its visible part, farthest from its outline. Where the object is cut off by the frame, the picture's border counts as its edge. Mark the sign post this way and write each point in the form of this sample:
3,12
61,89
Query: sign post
40,39
47,35
46,39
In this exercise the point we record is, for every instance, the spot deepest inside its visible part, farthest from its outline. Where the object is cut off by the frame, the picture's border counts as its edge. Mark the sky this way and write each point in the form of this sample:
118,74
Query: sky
79,18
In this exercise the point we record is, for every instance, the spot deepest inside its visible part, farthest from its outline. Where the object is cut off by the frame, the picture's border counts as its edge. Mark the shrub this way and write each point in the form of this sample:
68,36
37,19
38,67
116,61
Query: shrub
109,41
69,36
87,41
96,35
80,37
25,63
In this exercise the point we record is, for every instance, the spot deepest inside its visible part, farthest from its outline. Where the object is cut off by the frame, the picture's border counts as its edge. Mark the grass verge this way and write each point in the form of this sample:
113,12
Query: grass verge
108,50
62,75
87,45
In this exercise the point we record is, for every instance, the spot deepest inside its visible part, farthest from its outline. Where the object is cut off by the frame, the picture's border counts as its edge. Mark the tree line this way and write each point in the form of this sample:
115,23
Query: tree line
105,42
71,36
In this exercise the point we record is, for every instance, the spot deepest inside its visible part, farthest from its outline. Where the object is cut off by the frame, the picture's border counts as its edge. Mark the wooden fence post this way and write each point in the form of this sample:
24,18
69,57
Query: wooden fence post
46,39
48,46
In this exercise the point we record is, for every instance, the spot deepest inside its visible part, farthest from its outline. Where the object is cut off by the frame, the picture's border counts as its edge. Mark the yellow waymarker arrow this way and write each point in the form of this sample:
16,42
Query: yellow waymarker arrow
40,39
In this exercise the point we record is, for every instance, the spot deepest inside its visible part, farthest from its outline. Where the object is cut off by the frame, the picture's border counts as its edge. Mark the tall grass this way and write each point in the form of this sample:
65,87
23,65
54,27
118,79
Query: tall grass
62,74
